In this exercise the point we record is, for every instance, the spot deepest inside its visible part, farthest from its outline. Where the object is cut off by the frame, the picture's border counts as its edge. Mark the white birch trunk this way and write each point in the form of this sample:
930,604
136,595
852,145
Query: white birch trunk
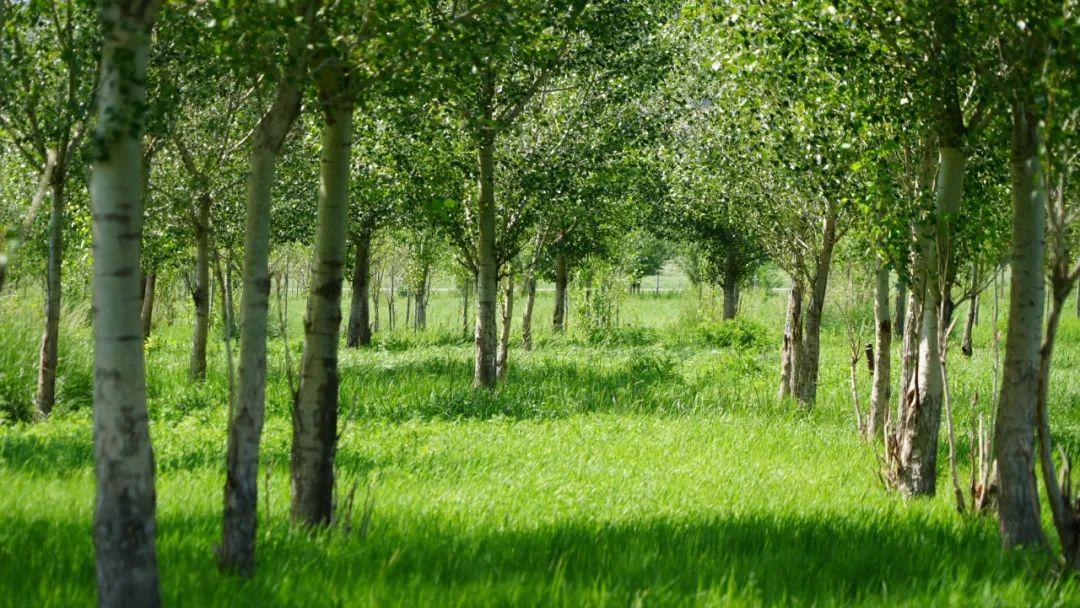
316,412
124,518
879,393
1014,429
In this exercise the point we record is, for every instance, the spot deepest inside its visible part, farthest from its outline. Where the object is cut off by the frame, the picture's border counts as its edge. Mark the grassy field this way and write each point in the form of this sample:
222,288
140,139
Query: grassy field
649,465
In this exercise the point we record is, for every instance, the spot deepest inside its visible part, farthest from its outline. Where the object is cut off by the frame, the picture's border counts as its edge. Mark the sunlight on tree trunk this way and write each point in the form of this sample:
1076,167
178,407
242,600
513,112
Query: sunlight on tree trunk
315,414
124,519
1018,499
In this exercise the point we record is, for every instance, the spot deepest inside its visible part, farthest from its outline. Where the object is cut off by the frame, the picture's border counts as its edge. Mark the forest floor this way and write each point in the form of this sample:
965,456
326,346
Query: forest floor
649,465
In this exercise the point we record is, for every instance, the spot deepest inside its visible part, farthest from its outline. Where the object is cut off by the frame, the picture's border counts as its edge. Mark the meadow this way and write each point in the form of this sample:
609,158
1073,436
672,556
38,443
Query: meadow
645,465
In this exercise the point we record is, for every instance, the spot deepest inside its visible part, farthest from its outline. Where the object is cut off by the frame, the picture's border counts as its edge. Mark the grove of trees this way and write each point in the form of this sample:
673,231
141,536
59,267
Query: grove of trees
581,144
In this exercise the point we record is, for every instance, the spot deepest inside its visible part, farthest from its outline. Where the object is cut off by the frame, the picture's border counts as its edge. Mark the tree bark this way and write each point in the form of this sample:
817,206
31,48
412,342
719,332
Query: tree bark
237,552
806,376
488,276
562,279
420,312
527,315
969,324
1018,498
507,319
731,281
147,315
921,421
316,413
901,308
124,517
465,306
879,394
200,293
793,334
731,299
45,397
359,333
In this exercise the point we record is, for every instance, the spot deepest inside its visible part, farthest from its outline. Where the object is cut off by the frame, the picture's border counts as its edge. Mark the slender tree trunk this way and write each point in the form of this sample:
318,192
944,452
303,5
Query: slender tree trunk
793,333
909,346
879,394
465,306
806,376
376,297
1065,516
200,294
731,282
359,316
420,314
562,279
969,324
392,302
237,552
901,308
316,413
527,315
124,518
921,421
507,320
731,299
149,292
45,398
488,275
1018,498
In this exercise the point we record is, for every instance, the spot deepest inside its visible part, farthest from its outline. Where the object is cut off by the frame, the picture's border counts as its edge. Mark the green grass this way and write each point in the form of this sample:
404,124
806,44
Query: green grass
647,466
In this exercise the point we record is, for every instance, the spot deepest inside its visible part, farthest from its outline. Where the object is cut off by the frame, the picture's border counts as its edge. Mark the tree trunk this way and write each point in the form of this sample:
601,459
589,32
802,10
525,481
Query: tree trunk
806,376
526,317
376,297
465,307
793,333
507,320
562,278
1018,497
488,275
901,307
392,302
237,552
45,398
420,312
909,349
969,323
147,316
124,517
200,293
879,394
921,421
316,412
731,299
359,313
731,281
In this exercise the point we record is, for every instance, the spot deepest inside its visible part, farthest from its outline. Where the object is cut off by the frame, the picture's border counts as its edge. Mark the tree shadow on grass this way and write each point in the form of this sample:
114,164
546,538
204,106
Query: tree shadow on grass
439,387
413,560
46,453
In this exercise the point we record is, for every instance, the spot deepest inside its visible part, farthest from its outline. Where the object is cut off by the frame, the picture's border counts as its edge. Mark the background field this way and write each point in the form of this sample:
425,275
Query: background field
645,465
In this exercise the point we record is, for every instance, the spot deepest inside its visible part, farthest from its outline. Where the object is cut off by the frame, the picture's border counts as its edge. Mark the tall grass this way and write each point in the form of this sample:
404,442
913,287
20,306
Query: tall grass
646,465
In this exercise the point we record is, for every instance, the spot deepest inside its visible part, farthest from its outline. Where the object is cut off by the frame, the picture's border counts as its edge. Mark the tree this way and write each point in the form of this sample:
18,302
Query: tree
237,551
46,55
1036,83
124,519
